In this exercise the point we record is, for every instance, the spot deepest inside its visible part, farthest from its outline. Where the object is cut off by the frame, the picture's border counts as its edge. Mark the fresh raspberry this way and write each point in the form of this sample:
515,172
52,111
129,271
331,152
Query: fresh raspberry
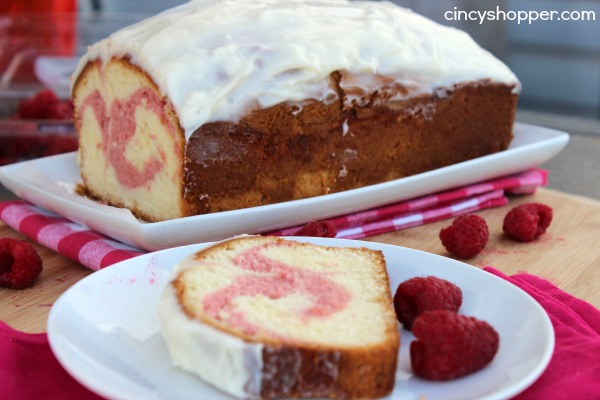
45,105
60,110
527,221
450,345
317,229
421,294
466,237
38,106
20,264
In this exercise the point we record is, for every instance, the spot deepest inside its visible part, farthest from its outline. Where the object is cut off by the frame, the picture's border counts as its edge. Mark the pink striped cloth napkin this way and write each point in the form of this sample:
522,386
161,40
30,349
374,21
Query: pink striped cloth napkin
96,251
434,207
70,239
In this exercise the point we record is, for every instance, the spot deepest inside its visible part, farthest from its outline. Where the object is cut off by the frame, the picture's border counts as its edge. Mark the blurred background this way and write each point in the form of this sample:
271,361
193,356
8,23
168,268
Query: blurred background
558,62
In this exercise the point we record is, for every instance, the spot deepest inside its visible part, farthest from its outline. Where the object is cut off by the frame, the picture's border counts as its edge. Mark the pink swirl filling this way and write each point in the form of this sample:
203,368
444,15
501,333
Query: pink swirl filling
118,130
274,279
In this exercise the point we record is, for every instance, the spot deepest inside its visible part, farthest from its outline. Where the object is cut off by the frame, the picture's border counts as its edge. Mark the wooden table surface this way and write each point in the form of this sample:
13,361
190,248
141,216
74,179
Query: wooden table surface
568,255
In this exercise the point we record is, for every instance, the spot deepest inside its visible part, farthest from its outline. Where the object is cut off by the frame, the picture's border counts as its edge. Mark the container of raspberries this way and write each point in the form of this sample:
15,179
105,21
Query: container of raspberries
39,47
41,126
41,44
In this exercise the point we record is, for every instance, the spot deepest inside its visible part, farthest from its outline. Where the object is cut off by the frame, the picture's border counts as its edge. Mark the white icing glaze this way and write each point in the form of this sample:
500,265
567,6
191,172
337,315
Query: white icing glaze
222,360
219,59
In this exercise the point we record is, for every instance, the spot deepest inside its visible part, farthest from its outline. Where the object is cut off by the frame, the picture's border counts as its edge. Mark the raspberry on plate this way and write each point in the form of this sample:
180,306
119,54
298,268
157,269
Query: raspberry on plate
466,237
527,221
421,294
450,345
20,264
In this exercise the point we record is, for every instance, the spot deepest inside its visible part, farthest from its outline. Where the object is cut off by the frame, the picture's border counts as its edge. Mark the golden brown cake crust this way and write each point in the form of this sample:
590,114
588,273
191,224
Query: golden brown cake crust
300,372
286,153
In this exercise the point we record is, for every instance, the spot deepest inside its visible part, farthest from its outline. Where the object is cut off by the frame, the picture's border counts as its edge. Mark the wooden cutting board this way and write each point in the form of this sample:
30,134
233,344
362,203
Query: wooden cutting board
568,255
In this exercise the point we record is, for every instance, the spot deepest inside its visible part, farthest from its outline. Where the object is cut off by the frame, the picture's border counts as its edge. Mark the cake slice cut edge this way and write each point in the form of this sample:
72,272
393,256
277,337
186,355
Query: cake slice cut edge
265,317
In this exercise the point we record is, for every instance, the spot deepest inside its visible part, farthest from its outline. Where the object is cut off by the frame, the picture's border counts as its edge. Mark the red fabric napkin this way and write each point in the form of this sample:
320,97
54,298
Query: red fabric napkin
574,371
434,207
70,239
30,370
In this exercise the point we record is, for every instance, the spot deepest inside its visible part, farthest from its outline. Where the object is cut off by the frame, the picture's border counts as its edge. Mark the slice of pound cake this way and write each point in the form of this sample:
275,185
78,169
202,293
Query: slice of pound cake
265,317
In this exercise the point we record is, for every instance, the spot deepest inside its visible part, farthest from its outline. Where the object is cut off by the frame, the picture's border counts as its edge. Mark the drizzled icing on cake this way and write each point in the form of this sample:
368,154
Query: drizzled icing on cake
217,60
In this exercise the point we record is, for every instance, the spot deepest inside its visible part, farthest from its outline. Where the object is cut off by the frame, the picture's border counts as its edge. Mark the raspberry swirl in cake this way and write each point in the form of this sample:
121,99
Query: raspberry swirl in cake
118,144
274,279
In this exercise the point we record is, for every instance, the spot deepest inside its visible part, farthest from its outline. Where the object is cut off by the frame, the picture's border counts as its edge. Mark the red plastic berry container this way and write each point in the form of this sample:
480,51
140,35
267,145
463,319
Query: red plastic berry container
22,140
43,41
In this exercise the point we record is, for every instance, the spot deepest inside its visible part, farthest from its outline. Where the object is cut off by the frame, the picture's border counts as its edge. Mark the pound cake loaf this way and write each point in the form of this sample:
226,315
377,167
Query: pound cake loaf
218,105
265,317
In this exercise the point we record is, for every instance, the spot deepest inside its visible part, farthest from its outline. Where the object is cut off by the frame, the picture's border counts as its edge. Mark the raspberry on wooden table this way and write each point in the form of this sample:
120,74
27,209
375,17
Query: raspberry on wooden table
317,229
421,294
451,345
527,221
20,263
466,237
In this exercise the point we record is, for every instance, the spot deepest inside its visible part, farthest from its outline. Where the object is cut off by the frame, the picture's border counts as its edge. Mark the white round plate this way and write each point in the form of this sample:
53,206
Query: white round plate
104,330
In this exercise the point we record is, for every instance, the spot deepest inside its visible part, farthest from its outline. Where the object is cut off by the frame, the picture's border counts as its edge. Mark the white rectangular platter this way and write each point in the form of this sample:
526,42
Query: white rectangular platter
50,182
